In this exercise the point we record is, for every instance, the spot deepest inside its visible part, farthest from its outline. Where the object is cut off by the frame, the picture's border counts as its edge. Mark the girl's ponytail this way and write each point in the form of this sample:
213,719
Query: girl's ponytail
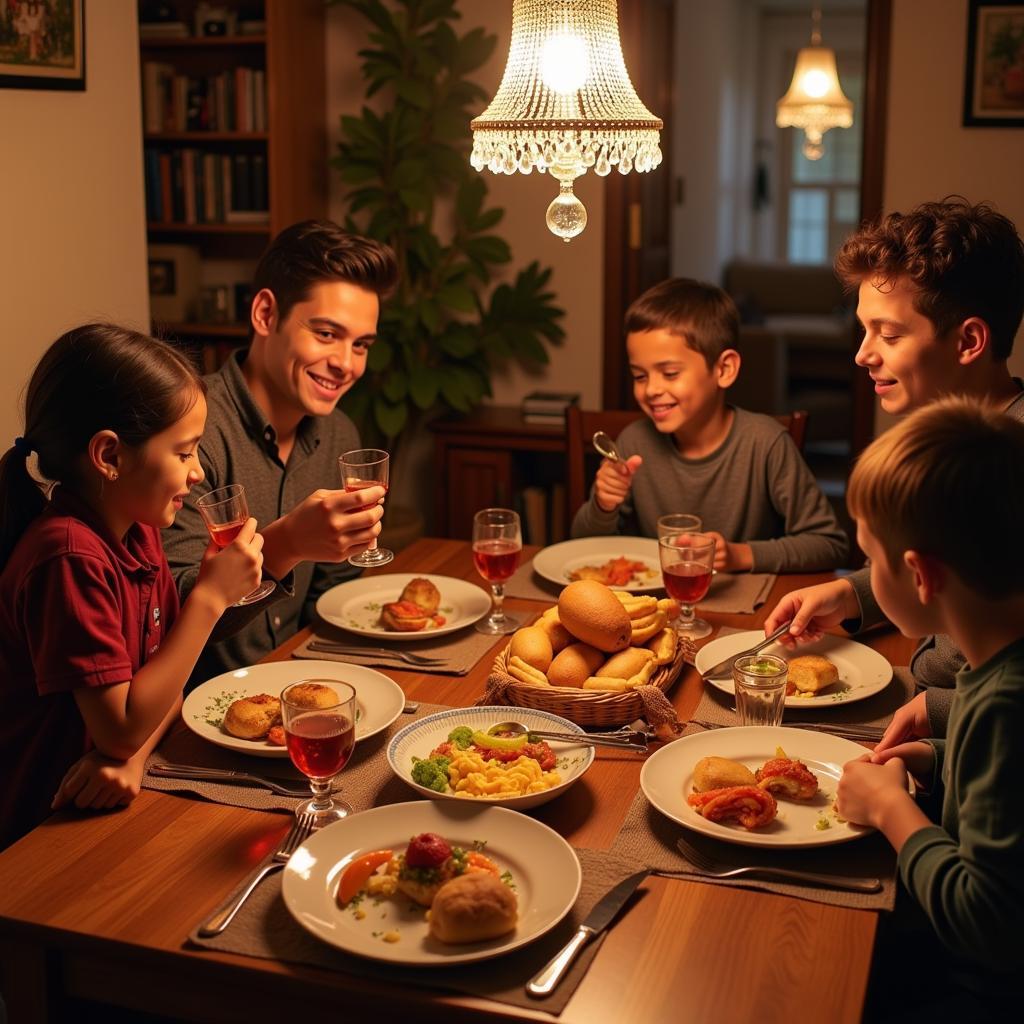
21,498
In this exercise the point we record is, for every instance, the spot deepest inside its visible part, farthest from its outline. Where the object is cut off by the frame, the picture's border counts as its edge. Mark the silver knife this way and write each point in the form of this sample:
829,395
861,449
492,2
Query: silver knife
597,920
724,668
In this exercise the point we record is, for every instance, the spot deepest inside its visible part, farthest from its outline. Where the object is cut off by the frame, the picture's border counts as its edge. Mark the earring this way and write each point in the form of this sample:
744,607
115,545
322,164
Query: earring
113,476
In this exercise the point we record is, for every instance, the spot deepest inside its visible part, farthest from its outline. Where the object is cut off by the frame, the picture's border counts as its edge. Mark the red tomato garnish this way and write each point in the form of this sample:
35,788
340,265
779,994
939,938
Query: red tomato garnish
427,850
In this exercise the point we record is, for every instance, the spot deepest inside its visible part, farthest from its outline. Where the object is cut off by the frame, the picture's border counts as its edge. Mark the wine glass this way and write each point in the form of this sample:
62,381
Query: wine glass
497,546
225,511
320,741
679,522
687,561
366,467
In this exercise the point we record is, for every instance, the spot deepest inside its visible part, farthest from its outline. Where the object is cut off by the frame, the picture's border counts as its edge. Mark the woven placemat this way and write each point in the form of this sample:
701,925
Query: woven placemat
525,583
737,593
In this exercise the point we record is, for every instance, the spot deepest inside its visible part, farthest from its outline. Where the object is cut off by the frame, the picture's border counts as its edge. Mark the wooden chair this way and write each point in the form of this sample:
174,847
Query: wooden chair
581,424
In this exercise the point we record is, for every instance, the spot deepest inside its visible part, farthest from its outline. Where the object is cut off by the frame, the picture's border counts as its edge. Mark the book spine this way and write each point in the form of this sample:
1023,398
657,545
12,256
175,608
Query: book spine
166,187
258,188
177,187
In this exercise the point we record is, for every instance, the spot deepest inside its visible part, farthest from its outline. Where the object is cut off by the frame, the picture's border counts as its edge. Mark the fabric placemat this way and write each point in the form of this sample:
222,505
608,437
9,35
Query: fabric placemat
737,593
525,583
265,929
648,837
366,781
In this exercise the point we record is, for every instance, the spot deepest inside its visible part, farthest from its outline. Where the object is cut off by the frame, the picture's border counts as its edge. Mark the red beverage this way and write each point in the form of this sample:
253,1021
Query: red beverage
320,744
687,582
496,560
222,534
352,484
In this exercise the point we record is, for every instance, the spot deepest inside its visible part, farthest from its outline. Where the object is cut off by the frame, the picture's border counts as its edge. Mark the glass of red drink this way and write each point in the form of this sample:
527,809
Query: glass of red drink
497,548
320,741
225,511
687,562
366,467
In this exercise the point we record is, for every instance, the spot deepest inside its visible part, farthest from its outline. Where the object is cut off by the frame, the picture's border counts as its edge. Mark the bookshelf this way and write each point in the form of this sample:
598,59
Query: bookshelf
234,150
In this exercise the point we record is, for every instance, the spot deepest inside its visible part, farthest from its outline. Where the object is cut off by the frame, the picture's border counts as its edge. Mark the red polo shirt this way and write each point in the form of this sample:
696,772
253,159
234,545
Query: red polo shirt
78,607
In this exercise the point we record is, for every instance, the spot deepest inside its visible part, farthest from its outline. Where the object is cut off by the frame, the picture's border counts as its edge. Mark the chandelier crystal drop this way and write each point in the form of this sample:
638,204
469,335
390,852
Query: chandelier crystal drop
815,101
565,105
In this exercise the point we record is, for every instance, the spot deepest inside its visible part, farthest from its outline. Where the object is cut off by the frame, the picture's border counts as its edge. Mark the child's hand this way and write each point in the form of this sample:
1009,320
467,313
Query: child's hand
730,557
614,480
812,610
230,574
867,791
918,757
909,723
100,782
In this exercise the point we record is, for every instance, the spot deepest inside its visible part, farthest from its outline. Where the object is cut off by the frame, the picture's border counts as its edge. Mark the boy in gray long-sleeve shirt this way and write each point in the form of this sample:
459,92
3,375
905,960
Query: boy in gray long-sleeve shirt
737,470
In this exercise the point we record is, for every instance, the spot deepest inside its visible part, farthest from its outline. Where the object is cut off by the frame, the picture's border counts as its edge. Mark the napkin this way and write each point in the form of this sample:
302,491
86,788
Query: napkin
737,593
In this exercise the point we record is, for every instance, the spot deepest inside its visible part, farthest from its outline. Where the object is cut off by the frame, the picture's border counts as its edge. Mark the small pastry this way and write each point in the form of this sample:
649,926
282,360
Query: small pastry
423,593
811,673
720,773
404,616
751,806
251,718
787,777
312,695
473,907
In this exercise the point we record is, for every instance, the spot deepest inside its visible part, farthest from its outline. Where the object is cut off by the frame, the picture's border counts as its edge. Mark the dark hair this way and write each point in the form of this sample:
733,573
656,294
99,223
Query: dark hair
704,315
313,251
964,261
94,377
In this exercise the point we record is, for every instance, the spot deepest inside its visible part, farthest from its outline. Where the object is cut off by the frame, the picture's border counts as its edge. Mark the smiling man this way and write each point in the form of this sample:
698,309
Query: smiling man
275,428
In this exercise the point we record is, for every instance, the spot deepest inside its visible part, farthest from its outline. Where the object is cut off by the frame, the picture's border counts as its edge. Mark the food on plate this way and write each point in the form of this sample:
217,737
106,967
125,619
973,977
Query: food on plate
663,644
533,646
573,665
785,776
811,673
313,695
592,613
415,609
616,572
276,736
250,718
720,773
752,806
473,907
423,593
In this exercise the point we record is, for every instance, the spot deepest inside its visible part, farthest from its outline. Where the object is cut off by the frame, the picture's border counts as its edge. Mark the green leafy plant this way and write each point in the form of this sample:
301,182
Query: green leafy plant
411,185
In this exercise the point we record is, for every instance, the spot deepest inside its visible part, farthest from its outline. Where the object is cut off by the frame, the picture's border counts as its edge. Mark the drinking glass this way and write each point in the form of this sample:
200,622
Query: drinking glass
679,522
366,467
760,688
687,561
497,547
225,511
320,741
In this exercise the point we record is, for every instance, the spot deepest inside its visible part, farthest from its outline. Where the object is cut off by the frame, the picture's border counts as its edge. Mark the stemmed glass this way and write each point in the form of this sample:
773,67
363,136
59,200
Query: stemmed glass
366,467
320,741
225,511
497,547
687,561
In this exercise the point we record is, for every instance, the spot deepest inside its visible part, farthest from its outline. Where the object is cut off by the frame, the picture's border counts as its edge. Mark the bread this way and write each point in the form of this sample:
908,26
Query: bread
312,695
593,614
519,669
404,617
423,593
251,718
626,663
811,673
559,636
473,907
571,666
720,773
663,644
533,645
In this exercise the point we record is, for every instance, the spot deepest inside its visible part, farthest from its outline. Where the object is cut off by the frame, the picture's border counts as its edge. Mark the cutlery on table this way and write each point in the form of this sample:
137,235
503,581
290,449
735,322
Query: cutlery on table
201,774
299,832
623,739
543,984
705,865
329,647
724,668
867,733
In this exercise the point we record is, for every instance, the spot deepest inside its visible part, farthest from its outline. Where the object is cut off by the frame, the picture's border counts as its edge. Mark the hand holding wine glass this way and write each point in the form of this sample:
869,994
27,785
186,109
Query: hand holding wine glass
361,468
687,562
497,548
320,741
225,511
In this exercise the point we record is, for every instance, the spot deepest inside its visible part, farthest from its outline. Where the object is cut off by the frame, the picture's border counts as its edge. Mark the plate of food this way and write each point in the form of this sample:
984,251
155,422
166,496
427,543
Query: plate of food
829,672
758,785
402,606
492,880
241,710
450,756
624,563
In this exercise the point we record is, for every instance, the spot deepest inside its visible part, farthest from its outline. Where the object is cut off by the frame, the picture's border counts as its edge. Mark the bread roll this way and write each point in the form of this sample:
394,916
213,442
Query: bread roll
720,773
593,614
519,669
533,645
663,644
473,907
559,636
626,663
422,593
312,695
652,626
571,666
811,672
251,718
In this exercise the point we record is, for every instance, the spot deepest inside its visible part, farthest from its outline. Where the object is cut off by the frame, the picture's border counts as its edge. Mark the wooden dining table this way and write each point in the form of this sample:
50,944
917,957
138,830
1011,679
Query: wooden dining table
97,907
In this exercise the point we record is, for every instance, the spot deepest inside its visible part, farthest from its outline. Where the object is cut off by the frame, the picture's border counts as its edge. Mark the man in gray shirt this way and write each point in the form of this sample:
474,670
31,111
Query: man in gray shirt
274,427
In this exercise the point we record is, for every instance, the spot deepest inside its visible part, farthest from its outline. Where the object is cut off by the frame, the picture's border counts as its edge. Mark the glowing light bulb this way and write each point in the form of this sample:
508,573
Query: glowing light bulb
815,83
564,64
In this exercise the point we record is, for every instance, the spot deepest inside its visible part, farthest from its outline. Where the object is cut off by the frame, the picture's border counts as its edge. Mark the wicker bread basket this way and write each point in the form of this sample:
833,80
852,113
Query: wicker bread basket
585,707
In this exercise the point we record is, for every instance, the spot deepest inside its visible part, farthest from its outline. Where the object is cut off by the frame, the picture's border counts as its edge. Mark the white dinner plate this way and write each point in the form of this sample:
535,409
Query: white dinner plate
543,866
557,562
379,700
667,779
420,738
862,671
355,605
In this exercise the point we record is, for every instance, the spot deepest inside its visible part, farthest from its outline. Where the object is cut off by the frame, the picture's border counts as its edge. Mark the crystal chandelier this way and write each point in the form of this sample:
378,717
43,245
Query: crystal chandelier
815,100
565,104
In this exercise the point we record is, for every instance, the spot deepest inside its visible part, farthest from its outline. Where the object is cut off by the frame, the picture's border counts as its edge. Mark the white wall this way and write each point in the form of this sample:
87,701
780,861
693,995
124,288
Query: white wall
72,217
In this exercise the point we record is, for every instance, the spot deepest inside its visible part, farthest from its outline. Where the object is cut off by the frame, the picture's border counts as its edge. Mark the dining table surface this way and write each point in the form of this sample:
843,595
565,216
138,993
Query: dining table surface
97,907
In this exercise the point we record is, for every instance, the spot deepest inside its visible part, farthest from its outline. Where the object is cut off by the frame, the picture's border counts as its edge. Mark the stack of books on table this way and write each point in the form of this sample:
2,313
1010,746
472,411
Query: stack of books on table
548,406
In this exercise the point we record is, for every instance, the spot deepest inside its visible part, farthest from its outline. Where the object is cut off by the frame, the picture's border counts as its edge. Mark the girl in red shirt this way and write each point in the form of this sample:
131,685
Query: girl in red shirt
91,673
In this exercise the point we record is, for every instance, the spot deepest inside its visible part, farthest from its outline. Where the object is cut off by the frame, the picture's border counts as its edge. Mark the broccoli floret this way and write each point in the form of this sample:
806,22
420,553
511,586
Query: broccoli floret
431,772
461,736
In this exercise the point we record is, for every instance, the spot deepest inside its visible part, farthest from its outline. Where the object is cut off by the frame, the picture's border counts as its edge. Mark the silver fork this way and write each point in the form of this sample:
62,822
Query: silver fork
327,647
706,865
199,773
299,832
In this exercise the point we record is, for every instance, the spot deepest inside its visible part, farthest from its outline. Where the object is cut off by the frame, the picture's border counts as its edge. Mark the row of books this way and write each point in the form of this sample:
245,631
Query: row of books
188,186
548,406
233,101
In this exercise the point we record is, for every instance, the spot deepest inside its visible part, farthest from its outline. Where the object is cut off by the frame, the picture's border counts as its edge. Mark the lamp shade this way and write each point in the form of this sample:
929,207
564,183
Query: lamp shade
815,101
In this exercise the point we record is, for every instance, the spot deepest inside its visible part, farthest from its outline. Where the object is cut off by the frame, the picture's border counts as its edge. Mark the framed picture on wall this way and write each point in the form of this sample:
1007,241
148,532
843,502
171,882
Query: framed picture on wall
42,44
994,80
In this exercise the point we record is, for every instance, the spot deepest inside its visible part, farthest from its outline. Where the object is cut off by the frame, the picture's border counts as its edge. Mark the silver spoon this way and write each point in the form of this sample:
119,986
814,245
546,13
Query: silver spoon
624,740
605,446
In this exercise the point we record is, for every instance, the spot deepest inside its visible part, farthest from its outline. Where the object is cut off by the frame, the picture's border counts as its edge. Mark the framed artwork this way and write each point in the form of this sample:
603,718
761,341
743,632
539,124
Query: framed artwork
42,44
994,80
